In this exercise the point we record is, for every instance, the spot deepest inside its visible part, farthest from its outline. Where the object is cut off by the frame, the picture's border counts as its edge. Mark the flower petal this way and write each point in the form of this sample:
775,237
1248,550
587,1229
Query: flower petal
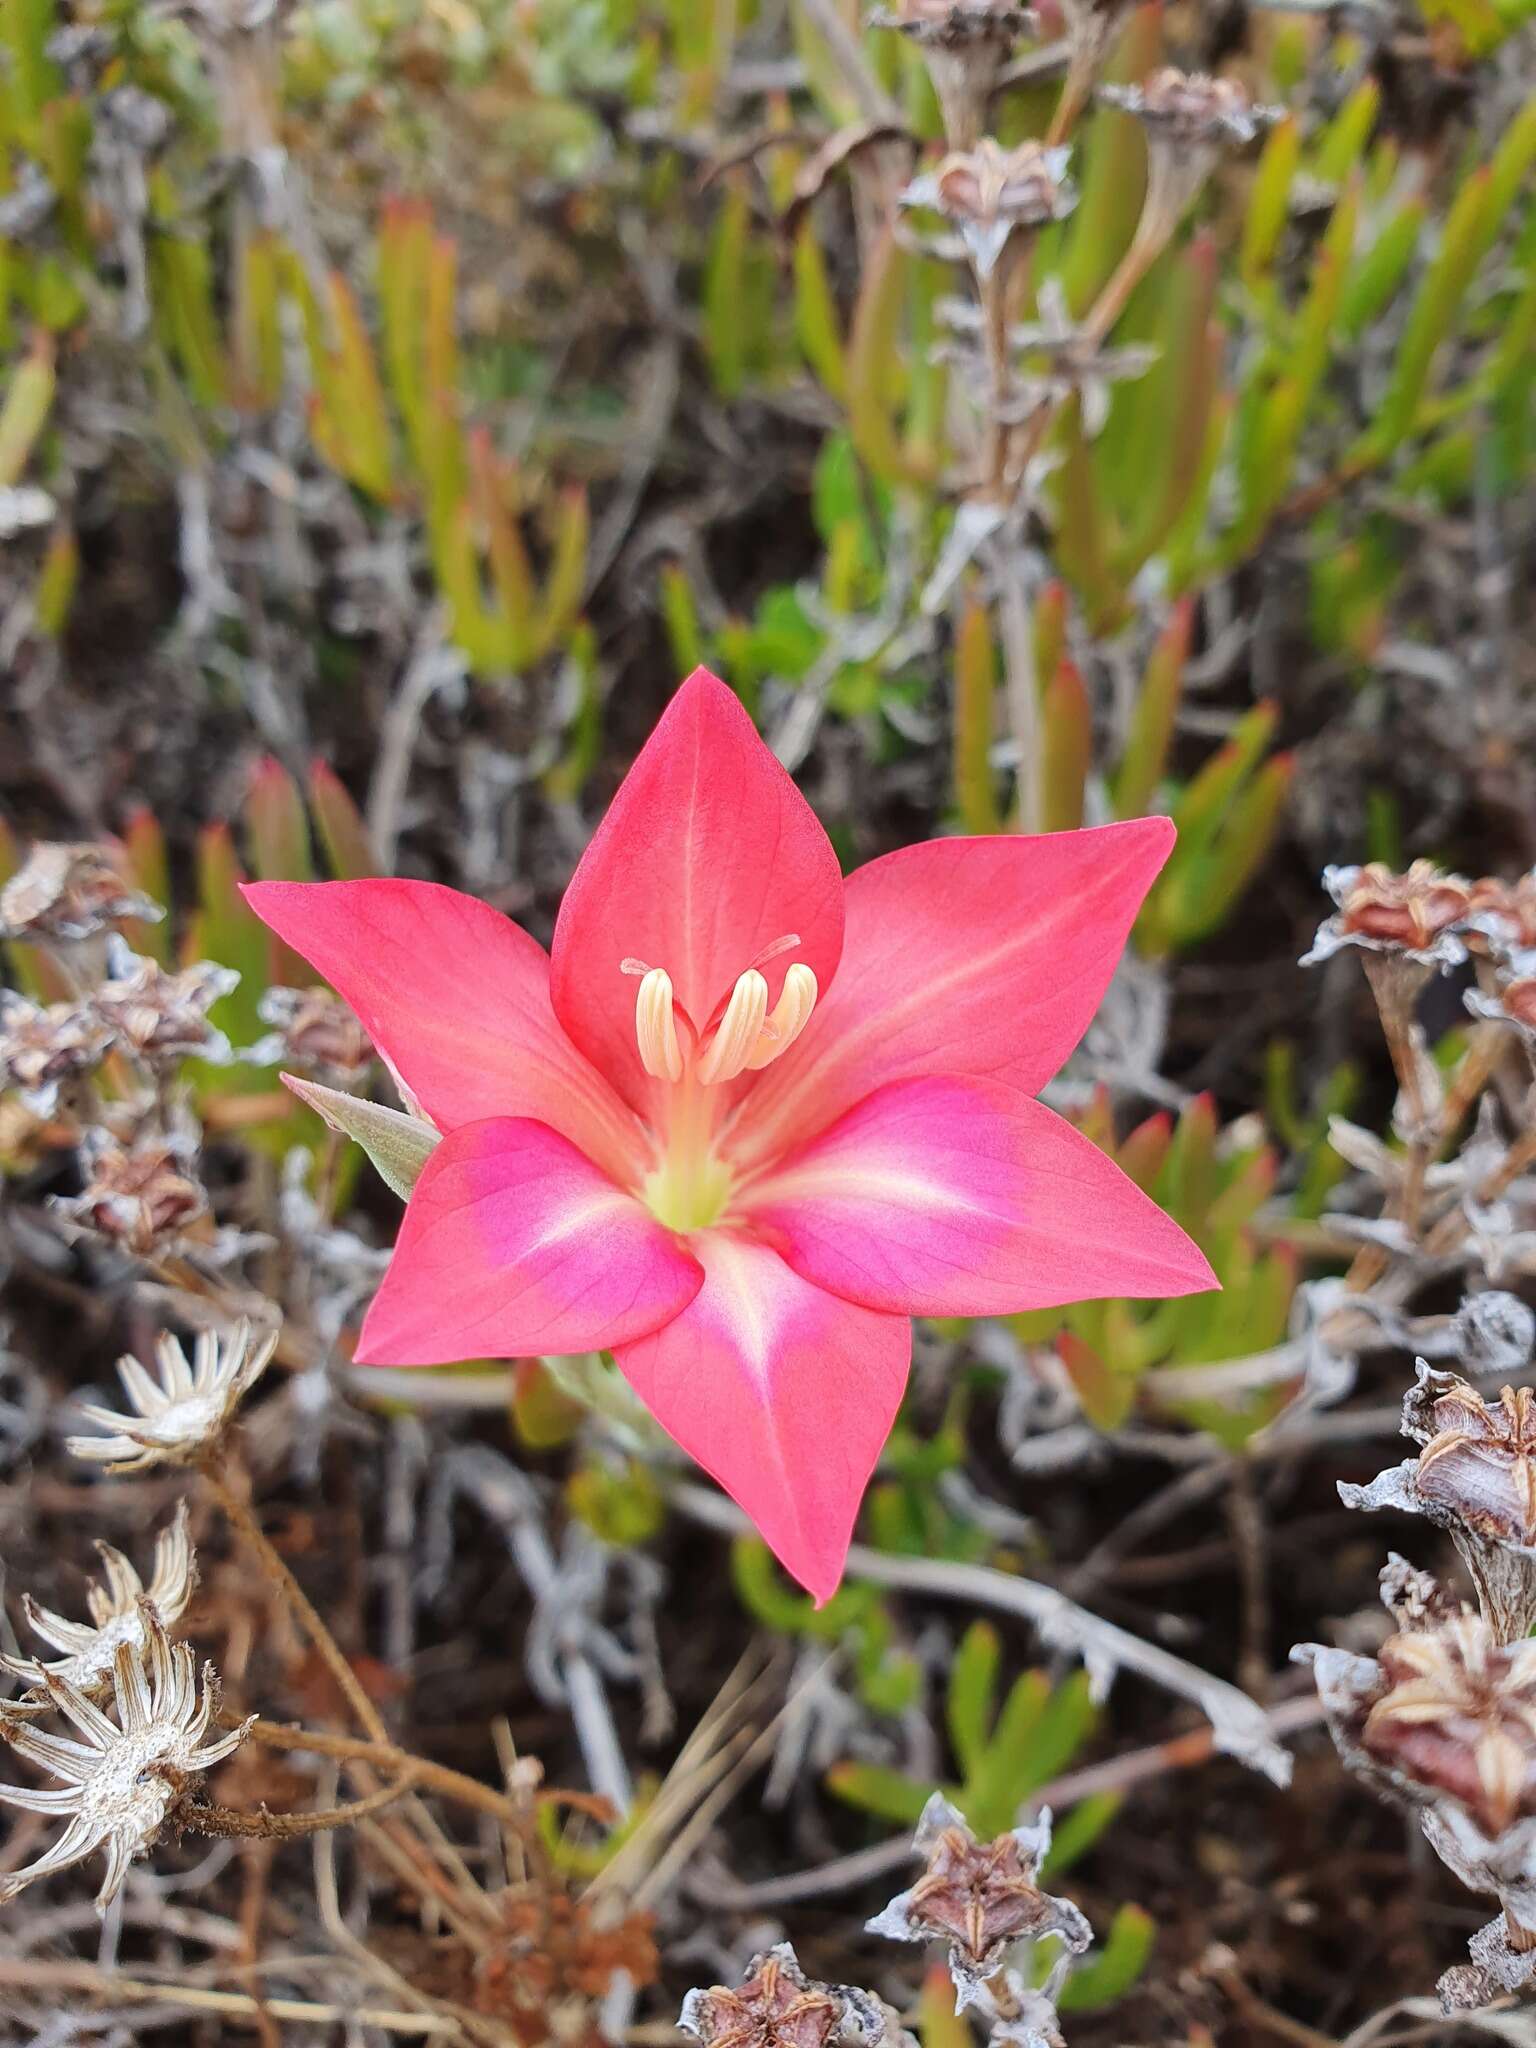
962,956
782,1393
950,1197
456,998
708,855
514,1244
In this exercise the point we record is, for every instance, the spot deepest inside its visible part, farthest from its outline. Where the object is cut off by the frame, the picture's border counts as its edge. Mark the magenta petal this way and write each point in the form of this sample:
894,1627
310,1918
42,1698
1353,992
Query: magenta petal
961,956
948,1197
514,1244
782,1393
707,856
456,998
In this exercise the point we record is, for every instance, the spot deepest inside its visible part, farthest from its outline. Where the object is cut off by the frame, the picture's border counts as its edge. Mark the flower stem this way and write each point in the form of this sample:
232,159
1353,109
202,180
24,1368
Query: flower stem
230,1823
242,1519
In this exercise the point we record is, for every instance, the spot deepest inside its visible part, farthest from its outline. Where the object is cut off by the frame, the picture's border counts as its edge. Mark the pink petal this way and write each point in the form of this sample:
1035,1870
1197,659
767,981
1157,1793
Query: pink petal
965,1198
708,855
456,998
514,1244
783,1394
962,956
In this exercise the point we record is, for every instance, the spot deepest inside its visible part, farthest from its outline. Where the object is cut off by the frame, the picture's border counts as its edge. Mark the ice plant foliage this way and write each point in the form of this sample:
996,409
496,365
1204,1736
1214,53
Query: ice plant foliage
747,1119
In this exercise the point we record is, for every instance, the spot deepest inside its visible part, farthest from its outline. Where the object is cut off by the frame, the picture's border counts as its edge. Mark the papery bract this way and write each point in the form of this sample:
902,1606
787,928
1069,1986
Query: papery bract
746,1118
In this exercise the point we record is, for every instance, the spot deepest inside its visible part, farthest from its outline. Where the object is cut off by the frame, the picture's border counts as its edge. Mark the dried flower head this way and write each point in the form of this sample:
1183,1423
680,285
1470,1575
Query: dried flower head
316,1032
1512,1003
69,892
43,1049
778,2006
125,1781
1189,118
1480,1464
140,1197
180,1418
965,43
162,1018
1457,1717
1503,915
980,1897
1417,916
1474,1476
121,1611
995,195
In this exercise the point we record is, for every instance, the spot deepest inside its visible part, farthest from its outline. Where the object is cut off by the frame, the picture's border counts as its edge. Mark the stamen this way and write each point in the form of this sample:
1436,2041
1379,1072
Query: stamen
656,1027
727,1052
791,1014
785,945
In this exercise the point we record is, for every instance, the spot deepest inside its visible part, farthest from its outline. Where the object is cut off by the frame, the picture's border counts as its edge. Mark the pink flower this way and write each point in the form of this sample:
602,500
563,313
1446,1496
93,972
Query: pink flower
746,1119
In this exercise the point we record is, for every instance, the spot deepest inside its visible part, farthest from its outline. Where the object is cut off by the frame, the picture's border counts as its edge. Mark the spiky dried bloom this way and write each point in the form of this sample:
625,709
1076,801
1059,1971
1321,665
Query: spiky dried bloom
315,1032
995,196
43,1049
1417,916
181,1417
1456,1717
965,44
124,1783
979,1897
139,1197
162,1018
122,1612
778,2006
65,891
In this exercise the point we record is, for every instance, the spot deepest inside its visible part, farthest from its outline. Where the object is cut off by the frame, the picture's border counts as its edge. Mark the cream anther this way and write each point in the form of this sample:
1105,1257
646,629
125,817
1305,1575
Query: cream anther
745,1014
656,1027
791,1014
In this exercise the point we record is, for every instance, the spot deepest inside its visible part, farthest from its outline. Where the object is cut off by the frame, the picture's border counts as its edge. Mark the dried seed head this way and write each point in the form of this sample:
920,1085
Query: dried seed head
980,1897
122,1613
69,892
122,1783
41,1050
1417,916
778,2006
965,44
994,196
1512,1003
139,1197
315,1032
1189,118
161,1018
1480,1464
1503,916
1457,1718
180,1418
1192,108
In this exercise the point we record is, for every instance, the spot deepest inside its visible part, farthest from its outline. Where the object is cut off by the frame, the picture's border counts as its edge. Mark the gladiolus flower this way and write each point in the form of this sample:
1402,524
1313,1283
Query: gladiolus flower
746,1119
